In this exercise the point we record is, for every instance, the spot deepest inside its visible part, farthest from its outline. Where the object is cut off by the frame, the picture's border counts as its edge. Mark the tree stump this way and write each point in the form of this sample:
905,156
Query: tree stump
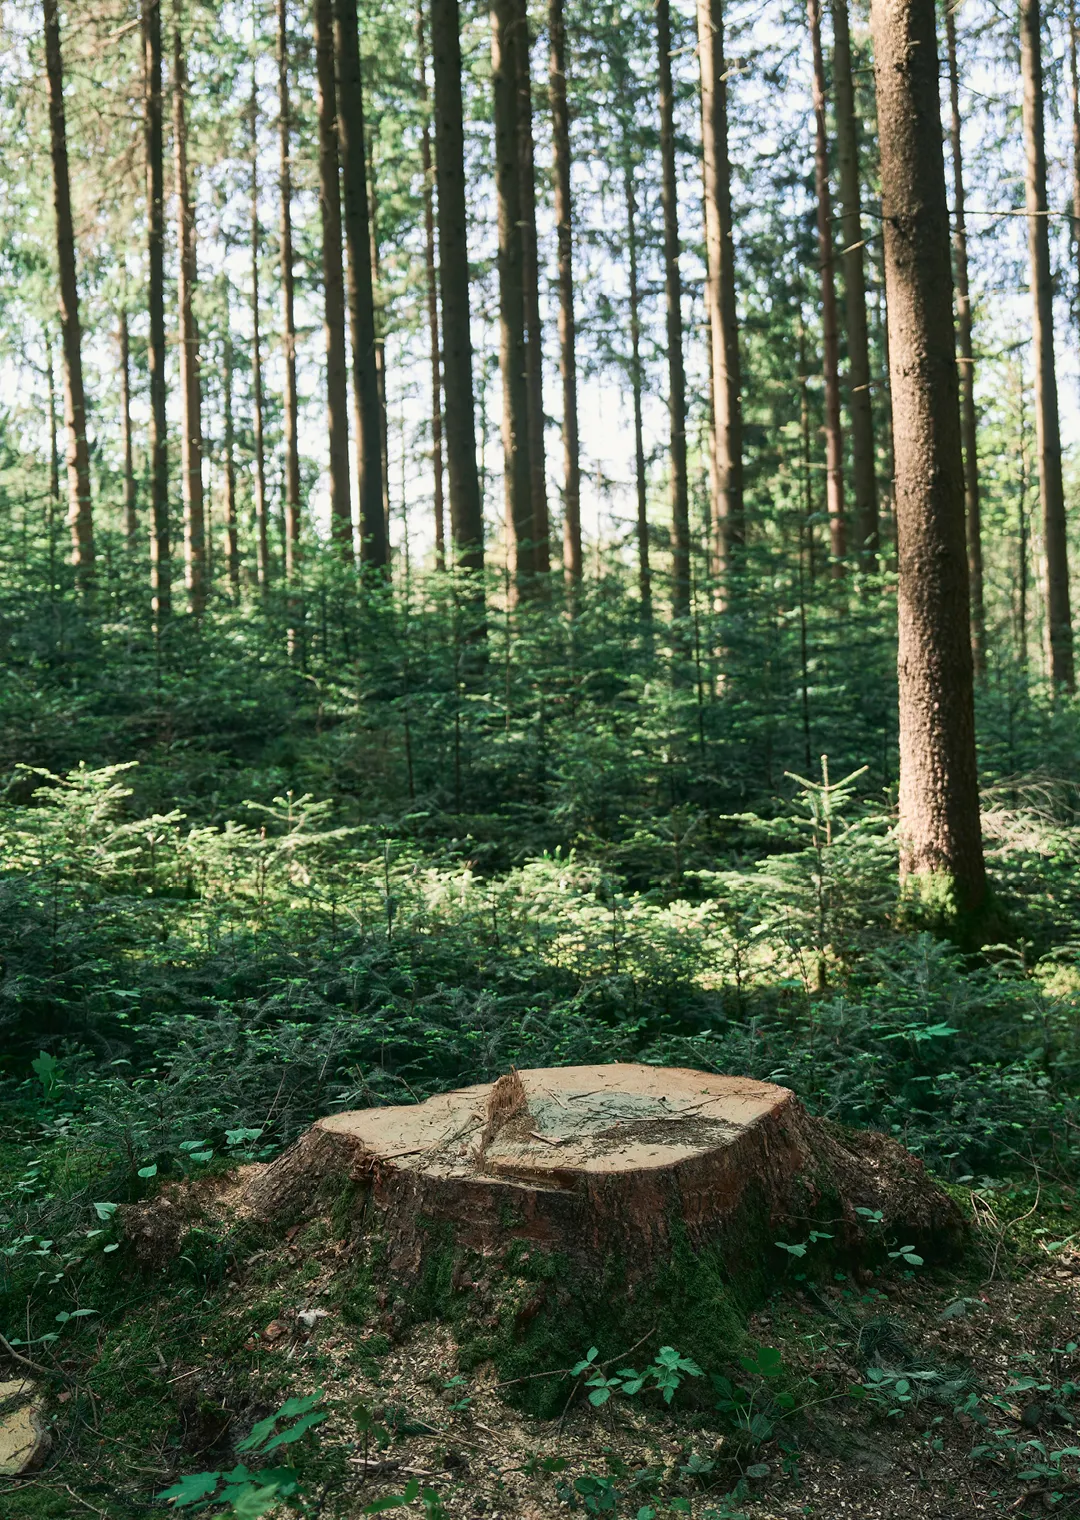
618,1162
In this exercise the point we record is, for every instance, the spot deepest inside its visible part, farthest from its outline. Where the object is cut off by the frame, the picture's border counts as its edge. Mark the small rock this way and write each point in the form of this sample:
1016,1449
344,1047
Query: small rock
275,1330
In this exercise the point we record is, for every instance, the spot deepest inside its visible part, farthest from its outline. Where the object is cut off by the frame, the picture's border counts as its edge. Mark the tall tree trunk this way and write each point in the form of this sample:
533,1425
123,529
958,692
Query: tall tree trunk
644,571
1047,425
262,531
288,300
131,522
380,337
941,859
54,447
1074,83
370,469
680,494
534,338
725,369
564,224
160,543
860,409
505,56
337,419
834,438
80,510
466,513
968,427
190,389
232,546
432,301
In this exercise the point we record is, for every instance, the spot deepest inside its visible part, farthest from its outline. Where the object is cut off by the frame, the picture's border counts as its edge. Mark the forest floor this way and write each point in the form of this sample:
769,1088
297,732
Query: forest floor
969,1411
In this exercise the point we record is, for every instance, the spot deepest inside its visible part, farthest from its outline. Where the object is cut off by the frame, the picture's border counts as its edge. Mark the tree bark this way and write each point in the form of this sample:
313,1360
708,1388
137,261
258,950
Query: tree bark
262,533
337,420
380,337
860,409
190,389
726,382
160,540
466,513
1047,424
506,23
231,543
968,428
834,438
80,509
534,338
432,303
131,522
288,300
680,495
564,225
1074,83
941,859
370,466
54,448
644,570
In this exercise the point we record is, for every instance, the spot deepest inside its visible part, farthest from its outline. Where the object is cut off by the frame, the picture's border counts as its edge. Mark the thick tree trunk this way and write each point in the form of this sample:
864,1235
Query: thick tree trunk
725,369
680,495
466,513
644,571
190,389
941,848
860,410
80,510
506,50
968,428
534,338
834,438
288,300
337,419
262,533
374,549
1047,424
131,522
232,547
160,542
564,224
432,303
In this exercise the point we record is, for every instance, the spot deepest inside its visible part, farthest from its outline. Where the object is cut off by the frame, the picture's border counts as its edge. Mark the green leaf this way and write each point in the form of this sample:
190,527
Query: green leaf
294,1432
254,1502
45,1068
147,1172
393,1501
105,1210
796,1250
192,1488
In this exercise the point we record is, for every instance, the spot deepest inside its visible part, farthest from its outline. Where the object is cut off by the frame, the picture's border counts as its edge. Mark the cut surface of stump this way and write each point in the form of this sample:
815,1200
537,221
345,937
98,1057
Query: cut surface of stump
24,1434
601,1161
